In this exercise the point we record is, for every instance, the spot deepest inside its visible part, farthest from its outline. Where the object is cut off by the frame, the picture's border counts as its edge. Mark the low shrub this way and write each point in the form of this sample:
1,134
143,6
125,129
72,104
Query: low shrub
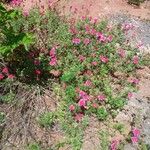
91,61
135,2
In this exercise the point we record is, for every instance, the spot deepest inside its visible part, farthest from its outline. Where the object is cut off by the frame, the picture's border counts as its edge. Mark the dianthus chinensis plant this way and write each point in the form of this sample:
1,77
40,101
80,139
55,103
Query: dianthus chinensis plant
92,65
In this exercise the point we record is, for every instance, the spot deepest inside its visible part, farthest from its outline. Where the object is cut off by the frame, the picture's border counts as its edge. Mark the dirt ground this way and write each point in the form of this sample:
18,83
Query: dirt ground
94,8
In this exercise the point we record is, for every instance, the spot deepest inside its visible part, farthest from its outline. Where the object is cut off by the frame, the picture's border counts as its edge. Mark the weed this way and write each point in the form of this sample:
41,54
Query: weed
104,135
119,127
2,117
46,119
33,146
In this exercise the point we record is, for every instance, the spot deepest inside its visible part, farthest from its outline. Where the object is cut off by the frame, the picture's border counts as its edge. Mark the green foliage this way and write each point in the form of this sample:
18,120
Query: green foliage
11,40
2,117
33,146
119,127
117,102
46,119
104,135
70,92
8,98
102,113
135,2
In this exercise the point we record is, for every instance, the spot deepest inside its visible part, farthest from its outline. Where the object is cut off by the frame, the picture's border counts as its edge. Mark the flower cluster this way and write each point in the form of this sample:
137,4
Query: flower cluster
5,74
136,134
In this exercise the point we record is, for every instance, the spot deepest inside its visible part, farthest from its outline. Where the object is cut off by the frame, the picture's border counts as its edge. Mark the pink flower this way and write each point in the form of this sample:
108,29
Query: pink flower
82,102
1,76
104,59
53,61
76,41
87,28
11,76
71,107
37,72
136,132
78,117
88,83
95,20
98,34
134,140
36,62
114,145
121,53
16,2
135,81
73,31
130,95
82,94
83,18
82,58
5,70
94,63
52,52
135,60
93,32
86,41
127,26
102,38
101,97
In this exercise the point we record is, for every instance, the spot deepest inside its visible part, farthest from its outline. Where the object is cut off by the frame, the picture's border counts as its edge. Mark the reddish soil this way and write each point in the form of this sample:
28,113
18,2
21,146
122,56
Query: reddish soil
94,8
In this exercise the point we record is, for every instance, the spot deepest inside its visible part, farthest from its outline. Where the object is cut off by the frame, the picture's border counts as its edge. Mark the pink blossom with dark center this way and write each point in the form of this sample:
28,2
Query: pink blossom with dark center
134,140
136,132
1,76
102,38
83,18
82,102
71,107
37,72
86,41
104,59
36,62
135,60
135,81
122,53
76,41
11,76
5,70
98,34
101,97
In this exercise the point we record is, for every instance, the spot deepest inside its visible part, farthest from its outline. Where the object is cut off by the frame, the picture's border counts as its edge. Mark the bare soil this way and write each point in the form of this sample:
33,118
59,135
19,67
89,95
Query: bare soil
94,8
